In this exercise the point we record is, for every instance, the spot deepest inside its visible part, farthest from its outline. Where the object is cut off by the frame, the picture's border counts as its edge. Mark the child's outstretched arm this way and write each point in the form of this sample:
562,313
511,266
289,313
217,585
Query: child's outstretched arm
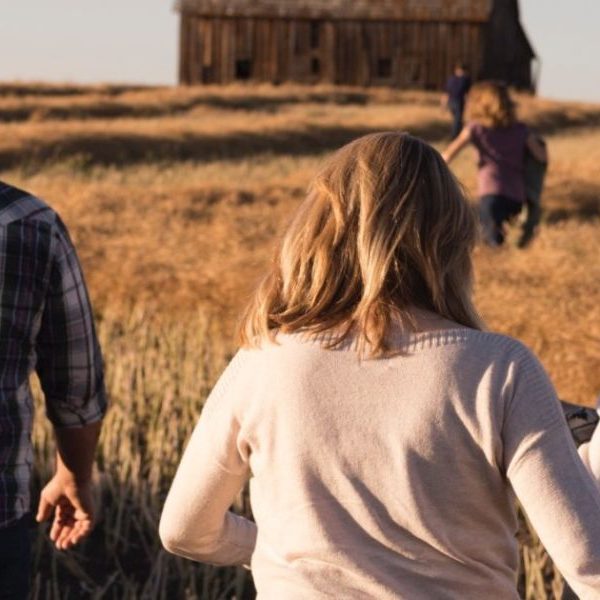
464,137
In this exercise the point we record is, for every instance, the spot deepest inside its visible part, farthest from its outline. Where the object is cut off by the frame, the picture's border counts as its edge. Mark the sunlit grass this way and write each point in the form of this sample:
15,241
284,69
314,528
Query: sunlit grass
175,197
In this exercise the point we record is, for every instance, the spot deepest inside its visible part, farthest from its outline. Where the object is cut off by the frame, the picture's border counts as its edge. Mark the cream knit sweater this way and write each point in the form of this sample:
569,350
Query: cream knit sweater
385,478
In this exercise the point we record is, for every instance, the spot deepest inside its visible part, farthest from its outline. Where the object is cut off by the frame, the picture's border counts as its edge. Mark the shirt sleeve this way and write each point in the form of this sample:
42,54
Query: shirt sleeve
69,361
196,522
561,499
590,455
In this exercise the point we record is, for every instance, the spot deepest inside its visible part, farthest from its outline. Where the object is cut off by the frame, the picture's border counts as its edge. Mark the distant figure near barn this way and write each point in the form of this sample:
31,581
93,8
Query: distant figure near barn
455,96
397,43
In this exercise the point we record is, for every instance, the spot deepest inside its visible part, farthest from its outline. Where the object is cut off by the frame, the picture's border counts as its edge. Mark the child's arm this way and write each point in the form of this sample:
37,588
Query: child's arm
464,137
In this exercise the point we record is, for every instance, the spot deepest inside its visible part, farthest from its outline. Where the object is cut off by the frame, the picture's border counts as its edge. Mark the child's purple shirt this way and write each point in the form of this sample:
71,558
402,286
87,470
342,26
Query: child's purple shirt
501,159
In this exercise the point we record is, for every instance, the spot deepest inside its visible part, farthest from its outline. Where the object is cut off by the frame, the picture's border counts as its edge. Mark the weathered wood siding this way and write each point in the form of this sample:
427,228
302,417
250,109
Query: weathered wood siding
352,52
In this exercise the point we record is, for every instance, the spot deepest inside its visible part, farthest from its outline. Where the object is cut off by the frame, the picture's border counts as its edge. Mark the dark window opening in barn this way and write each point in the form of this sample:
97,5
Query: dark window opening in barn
207,74
416,74
315,66
384,68
243,69
315,34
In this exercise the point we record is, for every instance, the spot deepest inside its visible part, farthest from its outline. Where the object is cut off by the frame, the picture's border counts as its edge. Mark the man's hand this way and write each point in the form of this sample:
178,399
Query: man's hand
69,493
73,508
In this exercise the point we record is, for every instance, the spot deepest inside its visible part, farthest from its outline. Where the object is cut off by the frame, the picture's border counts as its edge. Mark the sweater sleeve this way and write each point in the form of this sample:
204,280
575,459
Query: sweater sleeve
554,487
196,522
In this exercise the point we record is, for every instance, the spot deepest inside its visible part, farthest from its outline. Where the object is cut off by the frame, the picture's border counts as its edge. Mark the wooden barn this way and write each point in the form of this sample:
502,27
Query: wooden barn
400,43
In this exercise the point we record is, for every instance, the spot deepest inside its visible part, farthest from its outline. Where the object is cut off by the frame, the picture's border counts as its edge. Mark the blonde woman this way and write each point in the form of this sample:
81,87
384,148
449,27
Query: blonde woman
501,141
383,431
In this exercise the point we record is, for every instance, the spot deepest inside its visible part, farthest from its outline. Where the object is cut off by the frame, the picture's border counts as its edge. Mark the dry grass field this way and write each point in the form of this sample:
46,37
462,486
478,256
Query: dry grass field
175,197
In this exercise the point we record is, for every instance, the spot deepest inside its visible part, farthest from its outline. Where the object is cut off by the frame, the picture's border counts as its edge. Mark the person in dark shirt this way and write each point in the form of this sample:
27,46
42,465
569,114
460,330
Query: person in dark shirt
46,326
457,88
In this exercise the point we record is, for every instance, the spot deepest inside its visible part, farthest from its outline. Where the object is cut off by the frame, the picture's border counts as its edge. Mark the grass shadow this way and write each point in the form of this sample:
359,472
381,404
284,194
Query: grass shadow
578,201
129,149
108,108
550,122
67,90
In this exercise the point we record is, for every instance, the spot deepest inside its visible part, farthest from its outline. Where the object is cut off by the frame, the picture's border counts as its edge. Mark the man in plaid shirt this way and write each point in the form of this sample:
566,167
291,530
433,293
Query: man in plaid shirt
46,325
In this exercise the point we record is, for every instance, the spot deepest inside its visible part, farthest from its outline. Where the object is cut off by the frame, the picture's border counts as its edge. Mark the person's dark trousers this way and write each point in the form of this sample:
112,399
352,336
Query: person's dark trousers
534,213
457,109
494,212
15,555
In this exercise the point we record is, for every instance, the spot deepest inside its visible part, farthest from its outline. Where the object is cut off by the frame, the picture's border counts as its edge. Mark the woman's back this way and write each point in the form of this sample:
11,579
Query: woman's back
379,460
387,478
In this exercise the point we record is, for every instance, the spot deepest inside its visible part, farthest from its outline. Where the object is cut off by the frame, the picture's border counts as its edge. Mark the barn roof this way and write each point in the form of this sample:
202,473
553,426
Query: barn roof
434,10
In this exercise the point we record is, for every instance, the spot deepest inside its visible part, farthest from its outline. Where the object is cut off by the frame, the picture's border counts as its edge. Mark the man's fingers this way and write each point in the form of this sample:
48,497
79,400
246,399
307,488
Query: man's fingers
62,542
80,531
45,510
55,530
73,511
82,505
67,530
84,529
72,534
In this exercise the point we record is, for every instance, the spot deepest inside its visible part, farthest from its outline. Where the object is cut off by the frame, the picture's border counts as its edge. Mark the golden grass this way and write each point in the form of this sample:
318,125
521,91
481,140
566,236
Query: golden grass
174,198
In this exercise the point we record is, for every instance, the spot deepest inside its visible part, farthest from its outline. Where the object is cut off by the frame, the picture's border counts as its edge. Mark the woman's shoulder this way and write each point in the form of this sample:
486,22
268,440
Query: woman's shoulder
452,333
498,341
486,346
463,343
283,347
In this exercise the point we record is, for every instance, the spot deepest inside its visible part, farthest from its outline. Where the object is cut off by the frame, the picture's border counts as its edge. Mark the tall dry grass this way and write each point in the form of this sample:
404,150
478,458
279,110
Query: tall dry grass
174,198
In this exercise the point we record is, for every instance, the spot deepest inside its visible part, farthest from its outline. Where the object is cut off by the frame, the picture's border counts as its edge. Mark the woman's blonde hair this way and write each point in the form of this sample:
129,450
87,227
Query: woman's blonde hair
489,104
385,227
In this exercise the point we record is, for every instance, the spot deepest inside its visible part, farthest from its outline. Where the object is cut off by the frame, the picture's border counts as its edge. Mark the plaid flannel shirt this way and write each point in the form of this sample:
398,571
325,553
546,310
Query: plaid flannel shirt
46,325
